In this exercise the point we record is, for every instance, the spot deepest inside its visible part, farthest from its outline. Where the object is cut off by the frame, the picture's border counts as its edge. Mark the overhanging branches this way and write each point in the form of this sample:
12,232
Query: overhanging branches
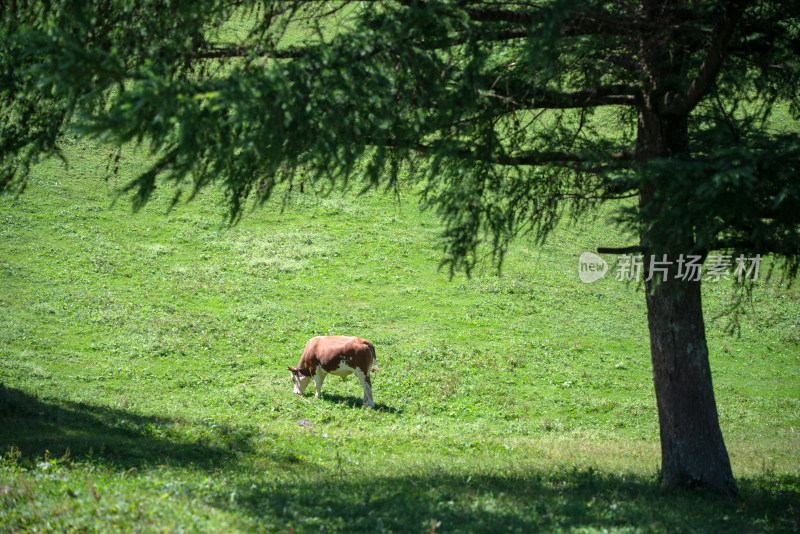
522,96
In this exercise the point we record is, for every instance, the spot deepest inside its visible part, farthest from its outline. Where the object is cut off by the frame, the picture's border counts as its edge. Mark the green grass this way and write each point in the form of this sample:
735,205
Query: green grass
144,357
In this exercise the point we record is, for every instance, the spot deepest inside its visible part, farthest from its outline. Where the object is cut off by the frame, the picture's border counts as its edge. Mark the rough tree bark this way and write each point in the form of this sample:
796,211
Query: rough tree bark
692,448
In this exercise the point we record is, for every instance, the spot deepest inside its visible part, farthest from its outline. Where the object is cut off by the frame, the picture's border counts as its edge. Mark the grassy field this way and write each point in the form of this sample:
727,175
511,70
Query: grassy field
143,361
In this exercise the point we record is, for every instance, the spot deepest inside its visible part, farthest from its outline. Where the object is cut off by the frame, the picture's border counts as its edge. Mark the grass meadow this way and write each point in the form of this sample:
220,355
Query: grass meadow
143,361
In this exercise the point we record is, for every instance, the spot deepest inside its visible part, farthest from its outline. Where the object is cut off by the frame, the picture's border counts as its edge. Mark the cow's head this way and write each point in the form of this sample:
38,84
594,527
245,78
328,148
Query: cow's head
300,378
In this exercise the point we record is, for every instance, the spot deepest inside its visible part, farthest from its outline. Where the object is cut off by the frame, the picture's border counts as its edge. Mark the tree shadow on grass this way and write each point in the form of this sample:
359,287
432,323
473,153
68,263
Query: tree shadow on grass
509,501
35,427
357,402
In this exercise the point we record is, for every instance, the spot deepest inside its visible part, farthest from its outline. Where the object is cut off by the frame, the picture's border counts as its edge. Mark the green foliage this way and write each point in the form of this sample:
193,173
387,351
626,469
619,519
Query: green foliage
743,200
509,106
62,60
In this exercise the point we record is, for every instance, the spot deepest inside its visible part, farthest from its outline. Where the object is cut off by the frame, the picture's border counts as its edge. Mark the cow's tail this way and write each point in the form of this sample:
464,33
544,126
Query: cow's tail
371,347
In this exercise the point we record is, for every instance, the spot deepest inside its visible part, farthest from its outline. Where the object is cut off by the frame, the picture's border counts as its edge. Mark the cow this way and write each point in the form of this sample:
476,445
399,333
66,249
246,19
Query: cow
336,355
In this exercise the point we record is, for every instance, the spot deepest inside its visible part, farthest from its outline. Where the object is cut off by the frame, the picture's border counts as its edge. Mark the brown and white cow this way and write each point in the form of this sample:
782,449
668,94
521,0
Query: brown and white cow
336,355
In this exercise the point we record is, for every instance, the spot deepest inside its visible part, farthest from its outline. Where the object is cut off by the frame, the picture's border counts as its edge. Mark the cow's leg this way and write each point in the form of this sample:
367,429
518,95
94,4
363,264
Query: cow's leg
319,378
366,383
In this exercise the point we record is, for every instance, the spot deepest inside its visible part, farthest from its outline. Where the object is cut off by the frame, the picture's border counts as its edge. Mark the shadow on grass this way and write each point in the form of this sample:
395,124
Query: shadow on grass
36,426
511,501
358,402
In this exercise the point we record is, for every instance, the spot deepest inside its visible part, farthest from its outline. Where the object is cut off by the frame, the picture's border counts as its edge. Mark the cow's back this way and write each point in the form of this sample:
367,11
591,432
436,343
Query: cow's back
330,350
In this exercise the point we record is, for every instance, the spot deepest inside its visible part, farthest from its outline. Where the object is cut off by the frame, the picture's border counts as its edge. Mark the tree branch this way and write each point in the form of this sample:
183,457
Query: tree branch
682,103
248,51
524,97
582,161
576,24
564,157
619,250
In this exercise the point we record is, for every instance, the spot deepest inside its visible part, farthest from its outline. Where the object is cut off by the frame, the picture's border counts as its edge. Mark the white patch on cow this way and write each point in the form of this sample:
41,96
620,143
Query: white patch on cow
319,378
343,370
366,386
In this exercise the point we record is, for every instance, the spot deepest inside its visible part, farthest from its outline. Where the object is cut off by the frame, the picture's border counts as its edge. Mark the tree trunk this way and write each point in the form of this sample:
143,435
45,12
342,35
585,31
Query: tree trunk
693,451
